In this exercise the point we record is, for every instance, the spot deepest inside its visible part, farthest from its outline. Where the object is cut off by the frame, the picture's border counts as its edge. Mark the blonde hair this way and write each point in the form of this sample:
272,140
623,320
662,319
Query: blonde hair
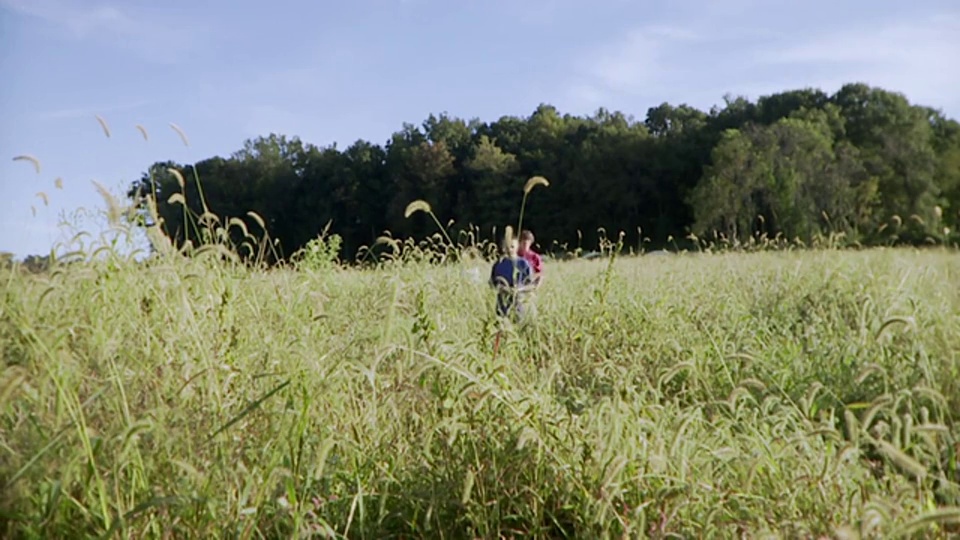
509,245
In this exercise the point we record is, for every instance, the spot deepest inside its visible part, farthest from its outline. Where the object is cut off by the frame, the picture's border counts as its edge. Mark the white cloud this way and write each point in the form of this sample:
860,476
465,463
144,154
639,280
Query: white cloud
80,22
265,119
630,65
87,111
918,58
643,63
301,97
31,231
895,43
145,34
689,61
528,12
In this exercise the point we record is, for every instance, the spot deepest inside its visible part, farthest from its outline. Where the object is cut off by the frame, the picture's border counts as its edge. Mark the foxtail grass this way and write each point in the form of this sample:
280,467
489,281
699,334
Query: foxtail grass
741,390
703,395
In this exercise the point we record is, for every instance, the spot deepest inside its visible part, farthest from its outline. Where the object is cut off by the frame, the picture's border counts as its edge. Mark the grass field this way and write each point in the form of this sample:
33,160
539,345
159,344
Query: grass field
791,394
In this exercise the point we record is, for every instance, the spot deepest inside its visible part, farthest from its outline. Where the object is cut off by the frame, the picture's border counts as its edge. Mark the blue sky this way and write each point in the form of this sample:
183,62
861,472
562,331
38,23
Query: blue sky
225,71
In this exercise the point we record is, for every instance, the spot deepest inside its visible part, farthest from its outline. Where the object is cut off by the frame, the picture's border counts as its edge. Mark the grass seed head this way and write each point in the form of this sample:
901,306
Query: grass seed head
239,223
183,136
103,124
178,176
534,182
31,159
418,205
113,207
256,217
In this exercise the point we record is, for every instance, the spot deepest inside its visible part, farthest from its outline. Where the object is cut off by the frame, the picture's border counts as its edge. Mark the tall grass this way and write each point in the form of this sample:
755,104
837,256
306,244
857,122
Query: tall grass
713,394
802,393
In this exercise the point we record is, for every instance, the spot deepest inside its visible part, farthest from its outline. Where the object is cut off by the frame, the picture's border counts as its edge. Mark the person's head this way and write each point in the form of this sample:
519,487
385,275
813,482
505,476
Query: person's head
509,246
526,241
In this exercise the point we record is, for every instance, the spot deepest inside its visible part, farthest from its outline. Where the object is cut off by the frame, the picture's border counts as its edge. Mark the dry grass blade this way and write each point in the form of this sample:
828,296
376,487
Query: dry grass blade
940,516
467,487
239,223
870,369
183,136
417,206
11,383
31,159
256,217
103,124
394,244
217,251
903,461
249,408
155,502
756,384
534,182
908,321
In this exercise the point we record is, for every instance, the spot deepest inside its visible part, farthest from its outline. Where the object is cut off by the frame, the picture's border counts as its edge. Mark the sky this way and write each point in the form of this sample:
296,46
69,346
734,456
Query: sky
225,71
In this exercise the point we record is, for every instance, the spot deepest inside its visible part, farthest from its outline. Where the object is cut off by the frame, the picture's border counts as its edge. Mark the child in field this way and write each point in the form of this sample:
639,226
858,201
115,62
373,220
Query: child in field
512,275
526,251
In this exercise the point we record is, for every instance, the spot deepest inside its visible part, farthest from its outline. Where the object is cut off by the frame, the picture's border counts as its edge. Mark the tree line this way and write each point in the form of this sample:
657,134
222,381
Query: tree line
862,164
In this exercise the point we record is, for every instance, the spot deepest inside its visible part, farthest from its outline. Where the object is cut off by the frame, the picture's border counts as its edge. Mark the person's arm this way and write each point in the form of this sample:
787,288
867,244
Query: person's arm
538,271
498,282
527,280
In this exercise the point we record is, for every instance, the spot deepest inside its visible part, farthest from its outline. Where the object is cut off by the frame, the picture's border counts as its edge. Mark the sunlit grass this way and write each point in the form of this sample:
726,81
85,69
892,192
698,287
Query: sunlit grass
798,394
769,390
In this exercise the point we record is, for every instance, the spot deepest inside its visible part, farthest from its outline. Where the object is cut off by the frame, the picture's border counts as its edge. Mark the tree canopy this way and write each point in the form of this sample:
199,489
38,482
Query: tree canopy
797,164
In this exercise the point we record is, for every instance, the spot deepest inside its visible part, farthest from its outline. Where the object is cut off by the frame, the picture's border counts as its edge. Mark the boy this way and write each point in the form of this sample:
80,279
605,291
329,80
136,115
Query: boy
510,275
526,251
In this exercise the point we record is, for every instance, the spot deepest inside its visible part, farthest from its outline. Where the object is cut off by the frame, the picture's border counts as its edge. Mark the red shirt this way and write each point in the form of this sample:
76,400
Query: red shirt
534,260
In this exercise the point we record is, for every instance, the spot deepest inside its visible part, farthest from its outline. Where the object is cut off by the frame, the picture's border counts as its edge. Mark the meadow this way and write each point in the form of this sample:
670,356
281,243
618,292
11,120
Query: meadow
795,394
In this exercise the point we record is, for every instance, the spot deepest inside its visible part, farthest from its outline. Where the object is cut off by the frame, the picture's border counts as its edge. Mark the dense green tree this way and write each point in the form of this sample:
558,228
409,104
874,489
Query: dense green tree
946,145
782,179
896,147
864,162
